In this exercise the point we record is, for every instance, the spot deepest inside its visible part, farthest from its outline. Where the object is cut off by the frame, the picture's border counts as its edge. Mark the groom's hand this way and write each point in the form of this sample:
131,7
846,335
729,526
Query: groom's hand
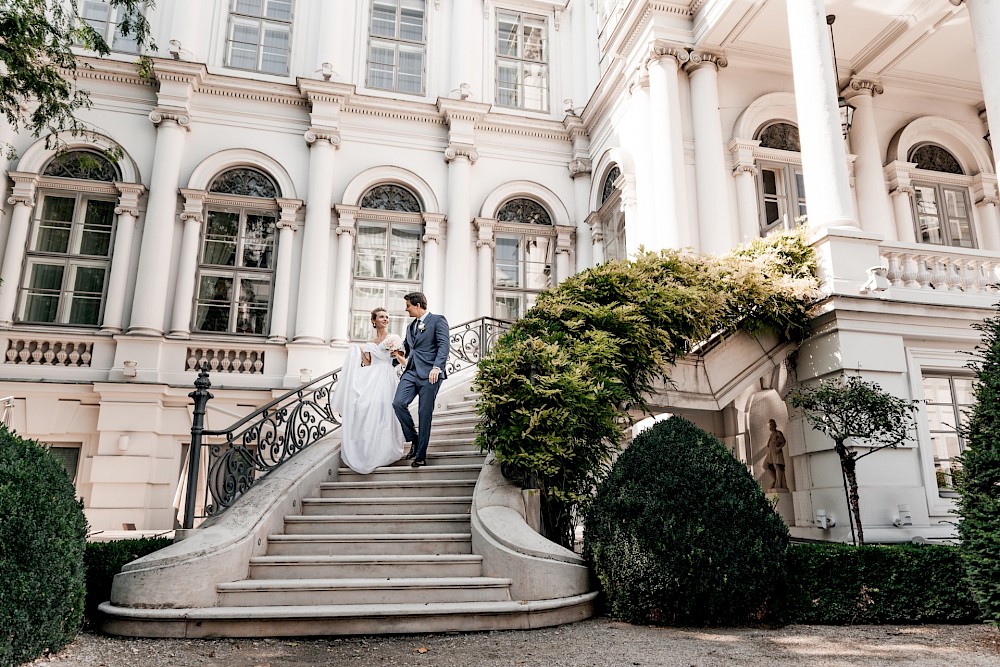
434,375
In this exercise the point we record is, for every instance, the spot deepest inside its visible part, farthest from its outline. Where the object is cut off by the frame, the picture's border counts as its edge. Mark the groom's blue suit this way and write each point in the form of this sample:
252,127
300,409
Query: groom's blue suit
426,347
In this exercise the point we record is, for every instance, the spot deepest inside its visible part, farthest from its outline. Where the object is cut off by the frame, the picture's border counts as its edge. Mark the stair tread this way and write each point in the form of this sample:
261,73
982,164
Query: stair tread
372,537
364,582
399,482
446,467
348,518
375,500
378,558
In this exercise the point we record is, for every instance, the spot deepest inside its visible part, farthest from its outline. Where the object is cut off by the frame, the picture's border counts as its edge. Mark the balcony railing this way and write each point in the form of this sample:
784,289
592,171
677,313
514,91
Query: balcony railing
944,269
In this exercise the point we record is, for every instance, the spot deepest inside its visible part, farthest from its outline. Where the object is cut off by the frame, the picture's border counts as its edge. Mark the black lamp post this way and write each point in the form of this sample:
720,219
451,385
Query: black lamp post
846,108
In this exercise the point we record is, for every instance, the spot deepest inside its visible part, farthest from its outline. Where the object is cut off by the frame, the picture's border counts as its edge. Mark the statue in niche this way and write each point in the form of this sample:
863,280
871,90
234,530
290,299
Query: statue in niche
775,461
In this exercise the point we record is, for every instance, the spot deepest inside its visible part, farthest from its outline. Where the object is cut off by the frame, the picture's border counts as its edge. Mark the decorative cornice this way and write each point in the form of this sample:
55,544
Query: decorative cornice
579,167
524,127
194,205
700,59
179,116
102,69
456,150
289,209
315,134
433,224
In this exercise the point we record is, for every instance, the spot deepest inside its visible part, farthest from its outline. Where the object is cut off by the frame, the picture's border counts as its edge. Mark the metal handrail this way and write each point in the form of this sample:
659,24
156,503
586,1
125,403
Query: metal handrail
268,437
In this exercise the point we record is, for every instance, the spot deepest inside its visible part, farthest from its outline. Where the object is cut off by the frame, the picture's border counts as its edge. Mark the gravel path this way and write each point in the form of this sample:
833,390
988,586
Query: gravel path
598,642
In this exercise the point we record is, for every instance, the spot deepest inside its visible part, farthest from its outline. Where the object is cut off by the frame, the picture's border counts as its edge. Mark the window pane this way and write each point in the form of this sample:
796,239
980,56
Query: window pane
928,222
274,56
46,277
367,297
220,238
383,18
258,241
96,236
963,391
251,310
404,255
960,227
507,32
214,300
42,296
97,15
507,307
69,457
279,9
85,310
507,272
534,39
251,7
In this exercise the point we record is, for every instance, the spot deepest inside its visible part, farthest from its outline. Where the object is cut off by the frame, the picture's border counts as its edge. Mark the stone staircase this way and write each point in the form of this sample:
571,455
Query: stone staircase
387,552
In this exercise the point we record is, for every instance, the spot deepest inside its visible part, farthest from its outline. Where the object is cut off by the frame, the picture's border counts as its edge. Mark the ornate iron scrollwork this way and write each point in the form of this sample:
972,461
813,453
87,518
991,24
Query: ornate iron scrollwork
781,136
609,183
472,341
935,158
84,165
391,197
245,181
525,211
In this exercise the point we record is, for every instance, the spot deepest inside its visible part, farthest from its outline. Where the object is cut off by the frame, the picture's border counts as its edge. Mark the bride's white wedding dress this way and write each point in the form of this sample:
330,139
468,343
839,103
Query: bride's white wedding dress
372,436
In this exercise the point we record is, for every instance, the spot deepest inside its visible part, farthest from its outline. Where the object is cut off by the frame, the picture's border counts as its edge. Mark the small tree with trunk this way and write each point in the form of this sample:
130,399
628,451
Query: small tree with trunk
848,408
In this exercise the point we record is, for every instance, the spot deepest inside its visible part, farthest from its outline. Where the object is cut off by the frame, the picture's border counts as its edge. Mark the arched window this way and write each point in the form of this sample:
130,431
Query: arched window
69,248
611,217
522,261
943,213
780,185
387,259
236,269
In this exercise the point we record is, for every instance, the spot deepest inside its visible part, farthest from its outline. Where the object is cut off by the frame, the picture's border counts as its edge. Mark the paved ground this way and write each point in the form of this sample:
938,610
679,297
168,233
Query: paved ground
599,642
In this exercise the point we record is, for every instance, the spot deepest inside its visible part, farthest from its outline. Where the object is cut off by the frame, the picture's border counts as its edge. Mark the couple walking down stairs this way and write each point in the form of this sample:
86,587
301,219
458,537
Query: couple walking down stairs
388,552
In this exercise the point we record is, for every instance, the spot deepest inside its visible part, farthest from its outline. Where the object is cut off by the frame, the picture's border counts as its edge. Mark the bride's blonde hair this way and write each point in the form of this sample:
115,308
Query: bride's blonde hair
375,313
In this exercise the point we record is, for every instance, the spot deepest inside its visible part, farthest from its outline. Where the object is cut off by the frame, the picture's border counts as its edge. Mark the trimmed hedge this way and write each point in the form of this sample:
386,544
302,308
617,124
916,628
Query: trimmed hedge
105,559
42,537
841,584
681,534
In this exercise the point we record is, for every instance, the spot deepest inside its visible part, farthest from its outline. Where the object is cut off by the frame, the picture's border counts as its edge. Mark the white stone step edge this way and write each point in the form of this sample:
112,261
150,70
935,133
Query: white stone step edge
381,583
403,559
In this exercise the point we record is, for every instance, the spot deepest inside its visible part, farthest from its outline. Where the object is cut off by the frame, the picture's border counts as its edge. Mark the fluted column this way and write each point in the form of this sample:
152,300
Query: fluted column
22,198
596,238
121,256
670,215
153,275
485,243
287,226
193,216
716,228
564,246
869,178
745,173
346,230
897,175
824,159
433,227
458,296
984,19
310,317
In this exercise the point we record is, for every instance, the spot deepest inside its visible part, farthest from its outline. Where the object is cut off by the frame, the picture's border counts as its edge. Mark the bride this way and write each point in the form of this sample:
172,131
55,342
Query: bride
372,436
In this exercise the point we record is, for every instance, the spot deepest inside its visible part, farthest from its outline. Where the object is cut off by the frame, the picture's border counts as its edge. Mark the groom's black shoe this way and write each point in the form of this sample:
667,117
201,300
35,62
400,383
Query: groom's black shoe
413,450
418,462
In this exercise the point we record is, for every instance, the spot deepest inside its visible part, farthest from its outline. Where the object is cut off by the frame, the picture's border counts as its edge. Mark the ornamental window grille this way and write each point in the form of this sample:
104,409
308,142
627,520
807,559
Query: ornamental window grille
934,158
106,20
389,197
947,402
525,211
246,182
609,183
522,70
260,36
397,46
780,136
83,165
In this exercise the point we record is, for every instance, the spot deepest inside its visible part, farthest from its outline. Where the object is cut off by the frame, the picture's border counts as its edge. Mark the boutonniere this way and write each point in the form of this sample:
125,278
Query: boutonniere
421,327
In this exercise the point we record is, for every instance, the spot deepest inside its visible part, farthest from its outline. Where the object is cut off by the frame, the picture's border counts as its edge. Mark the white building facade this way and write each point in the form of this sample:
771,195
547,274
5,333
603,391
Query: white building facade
297,163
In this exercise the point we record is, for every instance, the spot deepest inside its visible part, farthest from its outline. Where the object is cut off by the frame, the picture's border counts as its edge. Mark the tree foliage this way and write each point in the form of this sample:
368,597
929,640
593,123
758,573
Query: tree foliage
38,86
849,408
979,481
555,390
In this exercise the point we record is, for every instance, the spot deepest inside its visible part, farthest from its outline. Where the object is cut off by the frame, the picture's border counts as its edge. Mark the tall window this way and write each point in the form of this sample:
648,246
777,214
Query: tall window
397,46
69,249
780,185
522,62
387,257
236,272
104,19
522,265
260,36
942,208
947,398
612,218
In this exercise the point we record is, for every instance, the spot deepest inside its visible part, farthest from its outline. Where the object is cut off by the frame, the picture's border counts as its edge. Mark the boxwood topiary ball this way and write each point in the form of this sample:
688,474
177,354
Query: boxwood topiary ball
681,534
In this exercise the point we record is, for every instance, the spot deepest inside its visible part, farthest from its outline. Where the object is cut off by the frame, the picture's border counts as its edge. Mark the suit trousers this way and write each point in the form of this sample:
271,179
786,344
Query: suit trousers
410,387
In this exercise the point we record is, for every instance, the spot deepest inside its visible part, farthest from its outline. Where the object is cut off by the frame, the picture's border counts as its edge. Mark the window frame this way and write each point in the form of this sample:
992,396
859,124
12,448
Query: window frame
956,428
942,182
521,61
398,43
523,232
788,194
110,30
612,220
234,17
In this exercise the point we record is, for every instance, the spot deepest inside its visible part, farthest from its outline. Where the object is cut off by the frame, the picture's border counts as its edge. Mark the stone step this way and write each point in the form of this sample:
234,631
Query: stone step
415,485
362,524
365,591
357,567
463,405
465,418
447,443
387,505
345,620
454,431
448,457
373,544
446,471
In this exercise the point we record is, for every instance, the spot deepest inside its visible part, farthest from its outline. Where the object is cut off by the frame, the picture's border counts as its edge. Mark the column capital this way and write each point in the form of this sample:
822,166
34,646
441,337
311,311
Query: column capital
897,176
345,219
485,228
164,114
865,86
743,159
564,238
660,49
128,198
194,205
579,167
433,226
289,209
317,134
456,150
701,59
24,188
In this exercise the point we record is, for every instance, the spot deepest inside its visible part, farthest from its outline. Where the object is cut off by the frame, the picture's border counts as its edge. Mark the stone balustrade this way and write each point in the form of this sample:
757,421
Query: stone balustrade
226,360
941,268
49,352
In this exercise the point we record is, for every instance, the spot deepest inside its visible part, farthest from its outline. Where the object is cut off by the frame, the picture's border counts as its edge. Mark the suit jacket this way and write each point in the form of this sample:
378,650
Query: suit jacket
428,348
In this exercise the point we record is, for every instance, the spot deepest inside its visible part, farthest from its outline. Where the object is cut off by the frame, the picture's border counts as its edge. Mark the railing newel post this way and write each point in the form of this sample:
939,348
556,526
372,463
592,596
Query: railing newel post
201,396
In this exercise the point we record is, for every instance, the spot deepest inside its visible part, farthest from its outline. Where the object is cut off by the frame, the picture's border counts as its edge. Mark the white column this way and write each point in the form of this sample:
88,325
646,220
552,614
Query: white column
824,160
433,226
670,216
640,228
564,245
897,175
23,201
466,48
984,19
596,238
485,244
582,183
459,300
310,322
716,228
346,230
869,178
192,216
989,219
153,275
121,257
746,201
7,136
287,225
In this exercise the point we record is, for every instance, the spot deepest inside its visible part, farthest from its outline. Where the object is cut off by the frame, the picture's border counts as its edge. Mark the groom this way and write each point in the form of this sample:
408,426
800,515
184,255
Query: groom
426,347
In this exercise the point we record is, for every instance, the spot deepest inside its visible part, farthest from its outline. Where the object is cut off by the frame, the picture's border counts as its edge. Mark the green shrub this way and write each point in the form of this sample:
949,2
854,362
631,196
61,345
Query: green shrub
979,481
681,534
105,559
42,537
554,390
840,584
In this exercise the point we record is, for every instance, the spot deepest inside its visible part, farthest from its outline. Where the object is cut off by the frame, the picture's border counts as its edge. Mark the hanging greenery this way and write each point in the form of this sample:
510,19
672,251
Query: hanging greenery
556,390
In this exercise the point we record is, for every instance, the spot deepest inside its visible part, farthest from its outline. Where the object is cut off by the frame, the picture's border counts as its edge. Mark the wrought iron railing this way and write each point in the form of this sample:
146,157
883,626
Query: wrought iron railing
268,437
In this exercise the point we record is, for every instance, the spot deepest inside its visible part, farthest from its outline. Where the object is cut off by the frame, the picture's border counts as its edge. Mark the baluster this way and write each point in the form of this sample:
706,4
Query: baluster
974,276
61,355
49,354
74,354
258,363
86,356
192,360
11,352
225,363
36,353
911,271
24,353
953,273
213,361
989,277
895,270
